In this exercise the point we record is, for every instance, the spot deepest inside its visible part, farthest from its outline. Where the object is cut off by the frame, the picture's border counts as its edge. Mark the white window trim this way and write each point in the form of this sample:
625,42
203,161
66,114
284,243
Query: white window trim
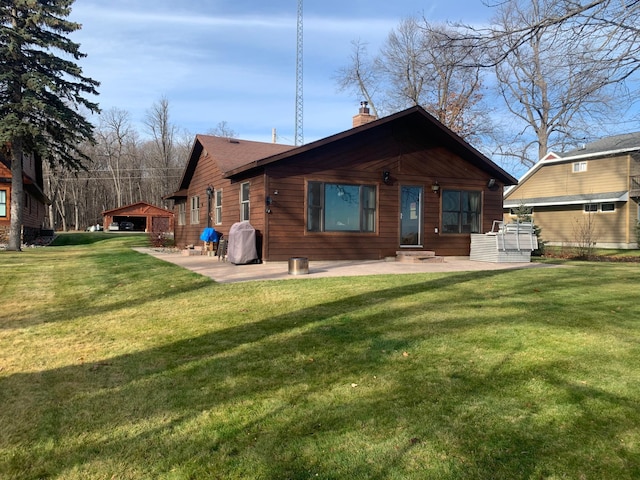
182,213
4,203
195,210
217,207
243,202
579,167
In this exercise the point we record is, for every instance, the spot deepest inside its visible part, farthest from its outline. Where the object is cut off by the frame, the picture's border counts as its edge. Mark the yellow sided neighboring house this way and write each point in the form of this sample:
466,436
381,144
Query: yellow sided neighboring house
592,192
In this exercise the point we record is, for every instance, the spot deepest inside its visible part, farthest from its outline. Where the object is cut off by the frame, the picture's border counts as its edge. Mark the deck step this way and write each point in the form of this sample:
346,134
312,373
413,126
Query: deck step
418,256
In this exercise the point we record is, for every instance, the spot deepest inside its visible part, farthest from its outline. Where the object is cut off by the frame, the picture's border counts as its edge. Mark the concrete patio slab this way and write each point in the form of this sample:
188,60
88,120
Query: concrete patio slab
224,272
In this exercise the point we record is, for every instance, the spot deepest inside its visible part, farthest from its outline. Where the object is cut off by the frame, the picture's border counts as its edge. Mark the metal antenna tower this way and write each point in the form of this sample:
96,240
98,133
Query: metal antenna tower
299,98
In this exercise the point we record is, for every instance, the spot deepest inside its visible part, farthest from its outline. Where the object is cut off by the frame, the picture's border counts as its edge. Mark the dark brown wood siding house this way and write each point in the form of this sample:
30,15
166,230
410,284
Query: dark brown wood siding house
403,182
35,201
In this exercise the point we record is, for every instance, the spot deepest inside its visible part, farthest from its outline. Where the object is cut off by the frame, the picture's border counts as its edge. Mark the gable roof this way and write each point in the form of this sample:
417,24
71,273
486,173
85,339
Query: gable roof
234,157
605,147
142,206
228,153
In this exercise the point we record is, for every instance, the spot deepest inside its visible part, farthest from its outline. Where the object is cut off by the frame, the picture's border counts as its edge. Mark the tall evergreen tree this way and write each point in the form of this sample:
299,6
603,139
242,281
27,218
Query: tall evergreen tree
41,93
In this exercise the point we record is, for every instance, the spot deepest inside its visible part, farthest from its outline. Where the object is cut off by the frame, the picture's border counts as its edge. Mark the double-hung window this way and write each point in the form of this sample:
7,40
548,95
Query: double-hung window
3,203
334,207
195,210
182,213
461,211
218,207
244,202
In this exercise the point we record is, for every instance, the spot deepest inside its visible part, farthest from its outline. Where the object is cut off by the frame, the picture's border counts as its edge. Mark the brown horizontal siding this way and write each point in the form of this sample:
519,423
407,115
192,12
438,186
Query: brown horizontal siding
407,164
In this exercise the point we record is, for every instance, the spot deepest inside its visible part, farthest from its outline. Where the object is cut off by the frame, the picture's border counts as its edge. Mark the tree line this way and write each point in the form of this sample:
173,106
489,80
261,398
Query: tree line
121,168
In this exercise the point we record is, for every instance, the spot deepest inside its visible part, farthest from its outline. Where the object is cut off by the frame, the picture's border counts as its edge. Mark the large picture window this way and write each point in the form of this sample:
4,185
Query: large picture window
461,211
333,207
3,203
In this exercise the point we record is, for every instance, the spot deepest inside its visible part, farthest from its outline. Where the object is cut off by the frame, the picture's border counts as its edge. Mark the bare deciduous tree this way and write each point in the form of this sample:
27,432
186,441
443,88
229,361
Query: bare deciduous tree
561,68
415,67
117,140
360,76
557,82
223,129
161,161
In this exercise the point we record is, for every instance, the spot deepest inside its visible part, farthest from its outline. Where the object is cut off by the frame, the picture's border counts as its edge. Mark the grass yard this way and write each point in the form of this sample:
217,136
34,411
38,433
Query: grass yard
114,364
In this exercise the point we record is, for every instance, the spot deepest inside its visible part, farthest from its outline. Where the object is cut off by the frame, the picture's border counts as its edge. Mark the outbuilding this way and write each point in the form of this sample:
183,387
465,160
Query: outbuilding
144,217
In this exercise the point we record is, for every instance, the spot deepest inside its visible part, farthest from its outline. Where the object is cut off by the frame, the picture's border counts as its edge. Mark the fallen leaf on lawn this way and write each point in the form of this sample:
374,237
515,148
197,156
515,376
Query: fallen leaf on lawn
354,385
405,354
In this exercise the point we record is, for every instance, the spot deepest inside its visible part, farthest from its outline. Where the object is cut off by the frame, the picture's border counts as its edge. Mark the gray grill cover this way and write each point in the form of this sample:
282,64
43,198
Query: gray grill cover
241,246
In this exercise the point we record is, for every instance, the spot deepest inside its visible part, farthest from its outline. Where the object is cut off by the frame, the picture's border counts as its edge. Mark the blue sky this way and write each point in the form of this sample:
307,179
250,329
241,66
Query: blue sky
234,61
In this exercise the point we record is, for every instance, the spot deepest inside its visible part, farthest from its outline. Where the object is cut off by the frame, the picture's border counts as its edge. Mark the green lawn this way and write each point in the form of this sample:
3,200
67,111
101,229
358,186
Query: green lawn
116,365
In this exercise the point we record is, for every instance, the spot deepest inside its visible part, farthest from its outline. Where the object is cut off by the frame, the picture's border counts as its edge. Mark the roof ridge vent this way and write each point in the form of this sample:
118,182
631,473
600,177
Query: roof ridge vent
233,140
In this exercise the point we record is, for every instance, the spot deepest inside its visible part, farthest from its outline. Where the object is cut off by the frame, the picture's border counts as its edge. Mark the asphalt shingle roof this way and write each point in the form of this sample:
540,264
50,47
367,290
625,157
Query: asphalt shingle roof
627,141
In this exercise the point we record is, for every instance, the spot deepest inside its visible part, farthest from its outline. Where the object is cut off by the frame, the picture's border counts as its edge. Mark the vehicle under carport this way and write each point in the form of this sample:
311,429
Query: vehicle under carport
144,217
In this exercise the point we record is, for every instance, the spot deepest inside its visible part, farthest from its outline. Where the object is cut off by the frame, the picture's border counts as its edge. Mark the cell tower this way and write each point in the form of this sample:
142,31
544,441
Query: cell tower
299,98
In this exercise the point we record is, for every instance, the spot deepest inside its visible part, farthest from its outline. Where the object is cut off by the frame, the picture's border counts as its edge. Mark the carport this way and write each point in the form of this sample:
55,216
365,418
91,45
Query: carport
144,216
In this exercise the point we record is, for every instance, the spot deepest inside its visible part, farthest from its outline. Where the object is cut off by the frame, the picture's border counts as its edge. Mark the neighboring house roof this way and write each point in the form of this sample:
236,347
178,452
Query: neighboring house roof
569,199
605,147
627,142
234,157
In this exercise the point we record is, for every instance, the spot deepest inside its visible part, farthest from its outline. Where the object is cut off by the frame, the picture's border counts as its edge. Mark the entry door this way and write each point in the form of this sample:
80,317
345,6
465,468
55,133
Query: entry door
411,216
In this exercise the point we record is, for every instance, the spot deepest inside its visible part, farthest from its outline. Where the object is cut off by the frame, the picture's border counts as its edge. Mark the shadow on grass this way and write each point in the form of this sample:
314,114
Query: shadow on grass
275,399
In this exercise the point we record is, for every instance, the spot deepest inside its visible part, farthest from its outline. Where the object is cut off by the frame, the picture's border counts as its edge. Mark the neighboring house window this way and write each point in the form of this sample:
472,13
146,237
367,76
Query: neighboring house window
579,167
218,208
195,210
3,203
608,207
590,207
182,213
244,202
461,211
333,207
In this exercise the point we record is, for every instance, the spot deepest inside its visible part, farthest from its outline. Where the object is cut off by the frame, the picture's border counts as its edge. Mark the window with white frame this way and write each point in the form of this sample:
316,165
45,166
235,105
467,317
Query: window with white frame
590,207
244,202
182,213
195,210
579,167
3,203
218,207
333,207
607,207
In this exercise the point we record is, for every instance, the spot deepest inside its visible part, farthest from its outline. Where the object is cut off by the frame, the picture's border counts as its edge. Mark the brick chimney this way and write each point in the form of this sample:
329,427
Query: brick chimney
363,115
